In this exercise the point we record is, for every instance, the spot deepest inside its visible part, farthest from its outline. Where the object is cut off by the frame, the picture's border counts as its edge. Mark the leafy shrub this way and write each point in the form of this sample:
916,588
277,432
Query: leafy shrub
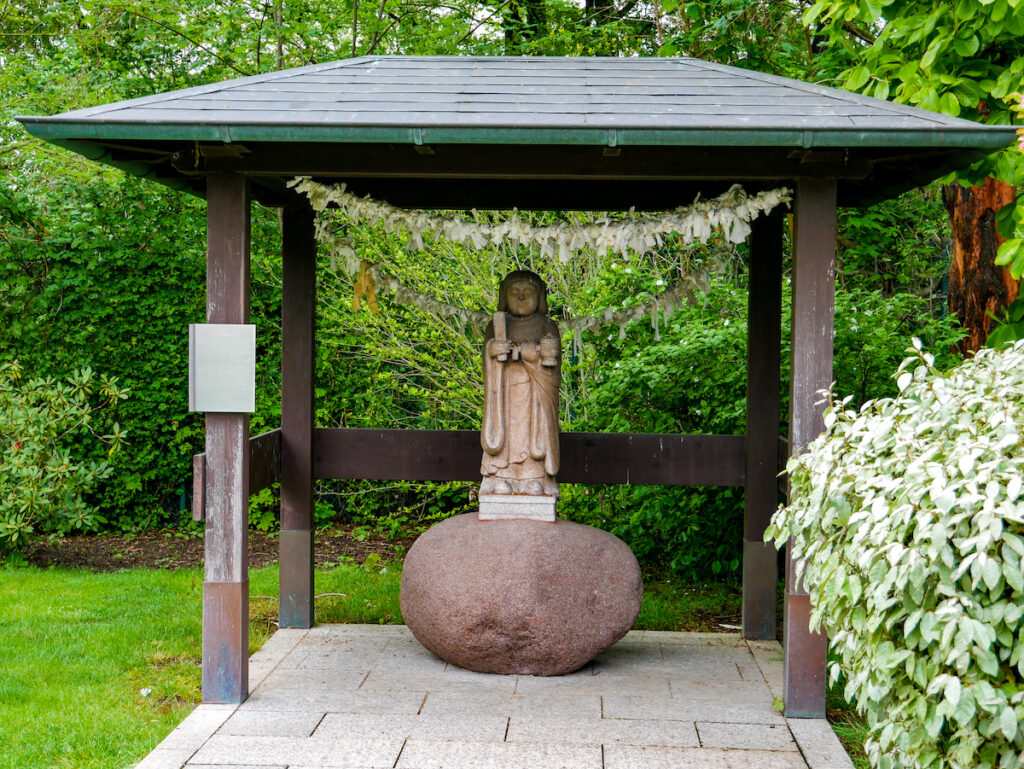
908,523
691,381
42,484
896,245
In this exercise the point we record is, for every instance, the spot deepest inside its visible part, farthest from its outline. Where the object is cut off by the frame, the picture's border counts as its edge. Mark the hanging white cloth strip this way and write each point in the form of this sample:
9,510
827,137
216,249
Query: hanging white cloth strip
732,212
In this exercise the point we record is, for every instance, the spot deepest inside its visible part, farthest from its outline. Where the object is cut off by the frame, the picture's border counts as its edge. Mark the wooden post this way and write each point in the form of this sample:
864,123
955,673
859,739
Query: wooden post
226,585
764,339
298,335
814,260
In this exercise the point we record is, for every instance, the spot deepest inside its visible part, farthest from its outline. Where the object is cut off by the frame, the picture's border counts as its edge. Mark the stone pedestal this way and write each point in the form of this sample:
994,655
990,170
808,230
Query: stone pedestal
504,507
519,596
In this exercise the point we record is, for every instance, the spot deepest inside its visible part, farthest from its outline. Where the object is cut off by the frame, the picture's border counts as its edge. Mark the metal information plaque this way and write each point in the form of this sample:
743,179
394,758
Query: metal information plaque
222,367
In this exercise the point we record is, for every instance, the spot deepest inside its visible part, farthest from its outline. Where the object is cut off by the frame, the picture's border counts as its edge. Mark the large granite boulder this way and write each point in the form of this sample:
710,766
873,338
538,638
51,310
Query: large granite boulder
519,596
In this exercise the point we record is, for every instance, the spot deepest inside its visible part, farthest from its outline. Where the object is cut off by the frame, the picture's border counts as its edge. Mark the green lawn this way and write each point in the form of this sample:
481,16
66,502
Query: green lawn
78,649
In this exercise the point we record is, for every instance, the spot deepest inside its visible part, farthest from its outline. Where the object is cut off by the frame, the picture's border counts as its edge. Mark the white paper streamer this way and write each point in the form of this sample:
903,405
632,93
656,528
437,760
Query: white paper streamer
731,212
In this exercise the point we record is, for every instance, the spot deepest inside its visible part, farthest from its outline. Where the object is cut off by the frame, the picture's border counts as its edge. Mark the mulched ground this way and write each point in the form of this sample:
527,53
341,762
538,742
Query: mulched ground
174,550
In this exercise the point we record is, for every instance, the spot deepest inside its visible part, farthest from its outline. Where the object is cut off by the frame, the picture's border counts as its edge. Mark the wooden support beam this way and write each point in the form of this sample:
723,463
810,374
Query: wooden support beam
226,583
813,310
454,161
298,336
764,340
454,455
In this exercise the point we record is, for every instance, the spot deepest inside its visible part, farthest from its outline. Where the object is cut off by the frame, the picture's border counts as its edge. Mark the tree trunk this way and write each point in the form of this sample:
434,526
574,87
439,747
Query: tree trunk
976,285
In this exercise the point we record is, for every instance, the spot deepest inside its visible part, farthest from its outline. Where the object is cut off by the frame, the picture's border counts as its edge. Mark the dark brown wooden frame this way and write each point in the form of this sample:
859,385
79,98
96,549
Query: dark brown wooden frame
298,453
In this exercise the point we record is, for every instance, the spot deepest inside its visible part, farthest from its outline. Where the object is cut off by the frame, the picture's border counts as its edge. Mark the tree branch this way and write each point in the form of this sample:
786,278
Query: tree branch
857,32
227,63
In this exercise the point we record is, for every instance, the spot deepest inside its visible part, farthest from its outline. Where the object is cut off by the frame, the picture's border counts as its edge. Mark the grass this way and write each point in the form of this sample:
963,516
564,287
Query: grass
672,605
95,669
78,649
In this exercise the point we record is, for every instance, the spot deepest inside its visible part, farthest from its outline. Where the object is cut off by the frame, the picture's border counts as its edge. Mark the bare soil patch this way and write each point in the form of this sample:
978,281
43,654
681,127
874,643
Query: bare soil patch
176,550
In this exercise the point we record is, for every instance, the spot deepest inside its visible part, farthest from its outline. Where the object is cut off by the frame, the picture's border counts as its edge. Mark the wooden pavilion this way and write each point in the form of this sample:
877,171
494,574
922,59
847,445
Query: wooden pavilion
533,133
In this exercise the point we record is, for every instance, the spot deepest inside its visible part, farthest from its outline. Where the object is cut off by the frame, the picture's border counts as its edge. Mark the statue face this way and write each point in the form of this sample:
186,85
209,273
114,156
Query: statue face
523,298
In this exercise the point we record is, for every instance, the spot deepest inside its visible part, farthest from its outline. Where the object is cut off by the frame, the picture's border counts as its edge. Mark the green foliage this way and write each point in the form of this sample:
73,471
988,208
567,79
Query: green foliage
871,333
964,58
694,381
1009,327
908,525
106,271
43,482
1010,219
765,37
895,245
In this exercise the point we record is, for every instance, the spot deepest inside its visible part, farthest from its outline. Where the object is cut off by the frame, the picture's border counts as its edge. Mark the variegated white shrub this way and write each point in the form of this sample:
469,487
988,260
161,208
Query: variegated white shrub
908,521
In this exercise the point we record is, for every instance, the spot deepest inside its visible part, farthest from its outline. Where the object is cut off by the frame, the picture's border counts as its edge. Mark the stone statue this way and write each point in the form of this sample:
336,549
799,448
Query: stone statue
523,593
522,372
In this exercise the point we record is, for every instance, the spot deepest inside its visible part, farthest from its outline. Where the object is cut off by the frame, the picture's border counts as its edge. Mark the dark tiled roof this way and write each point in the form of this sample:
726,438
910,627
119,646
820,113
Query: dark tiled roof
508,94
529,132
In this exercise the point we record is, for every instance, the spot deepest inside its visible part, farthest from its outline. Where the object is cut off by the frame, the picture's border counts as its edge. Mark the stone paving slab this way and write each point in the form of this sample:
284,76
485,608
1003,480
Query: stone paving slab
744,736
368,726
459,704
335,701
430,754
272,723
315,751
598,682
397,681
819,744
602,731
370,697
736,709
654,757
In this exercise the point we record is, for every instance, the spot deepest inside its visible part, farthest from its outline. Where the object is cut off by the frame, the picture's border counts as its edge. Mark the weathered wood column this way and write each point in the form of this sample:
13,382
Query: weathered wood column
764,337
226,585
298,335
814,256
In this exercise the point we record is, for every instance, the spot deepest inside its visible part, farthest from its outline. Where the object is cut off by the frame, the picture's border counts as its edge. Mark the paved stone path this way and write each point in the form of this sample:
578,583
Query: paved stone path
368,696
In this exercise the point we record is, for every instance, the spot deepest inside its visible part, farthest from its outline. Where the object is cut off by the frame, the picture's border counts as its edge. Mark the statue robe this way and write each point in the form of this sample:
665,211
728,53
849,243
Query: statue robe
519,433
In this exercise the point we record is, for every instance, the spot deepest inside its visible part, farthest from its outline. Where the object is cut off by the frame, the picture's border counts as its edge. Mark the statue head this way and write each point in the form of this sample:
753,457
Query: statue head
522,293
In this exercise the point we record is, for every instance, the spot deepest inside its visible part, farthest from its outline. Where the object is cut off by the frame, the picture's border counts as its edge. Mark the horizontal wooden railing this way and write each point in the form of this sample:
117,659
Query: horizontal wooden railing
264,469
454,455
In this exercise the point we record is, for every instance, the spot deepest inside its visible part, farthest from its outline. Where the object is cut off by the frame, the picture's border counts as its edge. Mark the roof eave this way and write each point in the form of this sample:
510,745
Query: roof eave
981,137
